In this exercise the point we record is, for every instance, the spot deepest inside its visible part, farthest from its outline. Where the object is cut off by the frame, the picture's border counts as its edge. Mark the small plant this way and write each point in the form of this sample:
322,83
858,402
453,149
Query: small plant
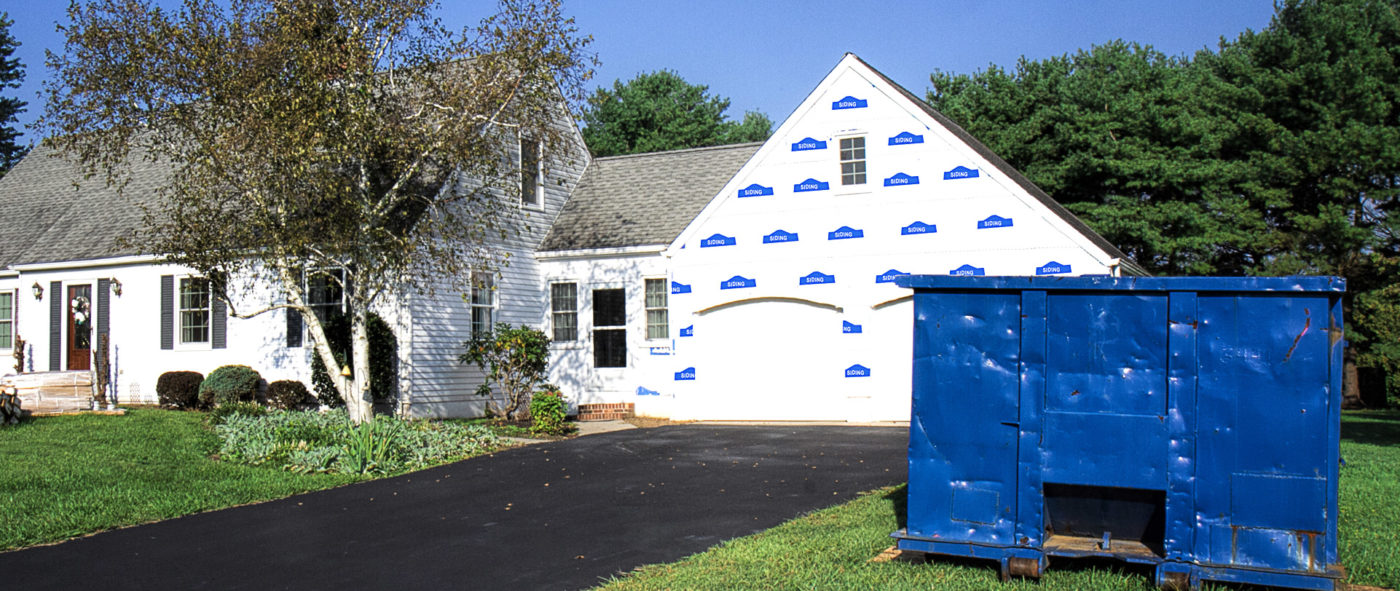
513,360
222,412
229,384
549,412
289,395
369,449
19,354
179,389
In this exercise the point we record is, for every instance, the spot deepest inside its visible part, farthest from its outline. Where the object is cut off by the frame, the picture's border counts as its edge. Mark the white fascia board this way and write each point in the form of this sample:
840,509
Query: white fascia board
91,263
598,253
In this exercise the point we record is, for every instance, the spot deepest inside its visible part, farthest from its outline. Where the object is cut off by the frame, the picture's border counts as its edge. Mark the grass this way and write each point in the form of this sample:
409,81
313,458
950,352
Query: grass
69,476
832,548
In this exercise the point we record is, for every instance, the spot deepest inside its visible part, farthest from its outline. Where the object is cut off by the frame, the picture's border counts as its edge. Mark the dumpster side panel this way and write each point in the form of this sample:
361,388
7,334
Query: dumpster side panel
1263,444
963,434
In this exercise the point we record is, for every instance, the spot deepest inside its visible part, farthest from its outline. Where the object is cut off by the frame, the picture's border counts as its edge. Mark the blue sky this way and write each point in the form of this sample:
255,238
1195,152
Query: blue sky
767,55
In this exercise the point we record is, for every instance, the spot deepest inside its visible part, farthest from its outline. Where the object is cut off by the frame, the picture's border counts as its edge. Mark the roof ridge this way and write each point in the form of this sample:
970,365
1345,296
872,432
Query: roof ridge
682,150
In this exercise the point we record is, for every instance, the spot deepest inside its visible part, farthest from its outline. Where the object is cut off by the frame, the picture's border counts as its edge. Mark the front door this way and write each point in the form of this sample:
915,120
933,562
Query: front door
80,311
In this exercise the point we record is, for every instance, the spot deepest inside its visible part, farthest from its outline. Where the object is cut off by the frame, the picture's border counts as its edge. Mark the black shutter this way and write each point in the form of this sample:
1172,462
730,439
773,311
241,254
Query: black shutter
167,311
55,326
218,325
104,288
293,328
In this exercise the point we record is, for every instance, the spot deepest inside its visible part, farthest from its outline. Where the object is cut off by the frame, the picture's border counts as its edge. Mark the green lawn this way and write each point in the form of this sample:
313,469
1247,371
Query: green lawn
72,475
831,549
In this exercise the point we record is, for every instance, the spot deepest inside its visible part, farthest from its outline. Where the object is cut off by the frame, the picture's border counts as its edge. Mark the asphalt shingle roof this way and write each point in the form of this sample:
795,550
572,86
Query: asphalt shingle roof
643,199
49,212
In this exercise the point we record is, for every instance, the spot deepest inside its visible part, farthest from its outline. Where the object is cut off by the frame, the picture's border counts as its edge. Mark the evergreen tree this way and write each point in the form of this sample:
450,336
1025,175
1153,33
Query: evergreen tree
11,74
661,111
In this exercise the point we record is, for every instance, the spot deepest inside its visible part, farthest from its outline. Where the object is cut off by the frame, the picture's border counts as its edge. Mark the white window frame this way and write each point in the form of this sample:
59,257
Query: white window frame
538,203
554,313
180,309
337,280
864,160
491,307
664,308
10,320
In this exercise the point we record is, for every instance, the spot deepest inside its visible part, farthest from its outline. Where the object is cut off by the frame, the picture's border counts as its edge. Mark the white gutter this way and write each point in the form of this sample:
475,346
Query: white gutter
585,253
111,262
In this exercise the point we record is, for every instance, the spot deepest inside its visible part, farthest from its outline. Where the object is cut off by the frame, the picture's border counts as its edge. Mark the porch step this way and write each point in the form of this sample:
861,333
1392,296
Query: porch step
610,411
52,392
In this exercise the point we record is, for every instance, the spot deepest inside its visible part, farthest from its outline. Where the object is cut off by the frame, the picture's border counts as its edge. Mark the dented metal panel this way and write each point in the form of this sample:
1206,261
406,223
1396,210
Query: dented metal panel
1190,423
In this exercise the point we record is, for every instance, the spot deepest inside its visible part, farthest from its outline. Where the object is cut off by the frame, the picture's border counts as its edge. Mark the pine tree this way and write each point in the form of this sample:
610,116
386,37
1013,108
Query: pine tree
11,74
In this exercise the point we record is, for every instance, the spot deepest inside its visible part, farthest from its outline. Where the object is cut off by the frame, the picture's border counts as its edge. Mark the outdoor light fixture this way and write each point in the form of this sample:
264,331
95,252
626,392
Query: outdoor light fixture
345,371
38,291
116,286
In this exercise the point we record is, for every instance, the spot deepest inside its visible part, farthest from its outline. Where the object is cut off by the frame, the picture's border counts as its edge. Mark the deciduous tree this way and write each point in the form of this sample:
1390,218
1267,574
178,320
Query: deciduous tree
360,139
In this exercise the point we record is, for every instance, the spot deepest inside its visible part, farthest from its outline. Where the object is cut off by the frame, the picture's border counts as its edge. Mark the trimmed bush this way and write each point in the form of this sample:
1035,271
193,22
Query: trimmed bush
549,412
179,389
289,395
221,413
229,384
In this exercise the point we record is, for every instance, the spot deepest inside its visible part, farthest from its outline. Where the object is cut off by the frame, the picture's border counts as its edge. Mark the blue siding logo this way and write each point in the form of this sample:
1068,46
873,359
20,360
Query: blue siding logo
687,374
738,282
810,185
968,271
960,172
780,236
816,278
807,143
717,240
888,276
688,331
849,102
755,190
1052,268
645,392
918,228
857,371
995,221
905,137
680,287
845,233
900,178
849,328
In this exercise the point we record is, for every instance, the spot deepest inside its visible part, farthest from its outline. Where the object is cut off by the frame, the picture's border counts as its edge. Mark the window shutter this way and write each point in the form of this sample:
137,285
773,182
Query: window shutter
55,325
167,311
104,292
218,324
293,328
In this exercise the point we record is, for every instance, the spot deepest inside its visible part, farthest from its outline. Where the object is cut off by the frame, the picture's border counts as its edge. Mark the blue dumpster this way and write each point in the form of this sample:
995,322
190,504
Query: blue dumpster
1188,423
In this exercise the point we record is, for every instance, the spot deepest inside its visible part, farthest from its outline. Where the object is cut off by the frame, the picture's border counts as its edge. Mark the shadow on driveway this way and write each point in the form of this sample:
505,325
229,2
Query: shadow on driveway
560,515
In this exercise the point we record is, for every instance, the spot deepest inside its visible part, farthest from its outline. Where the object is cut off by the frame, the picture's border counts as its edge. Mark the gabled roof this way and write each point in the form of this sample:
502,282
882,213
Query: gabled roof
643,199
50,213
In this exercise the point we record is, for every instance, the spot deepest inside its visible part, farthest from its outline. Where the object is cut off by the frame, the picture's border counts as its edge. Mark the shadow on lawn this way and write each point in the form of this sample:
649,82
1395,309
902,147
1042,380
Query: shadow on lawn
899,499
1372,427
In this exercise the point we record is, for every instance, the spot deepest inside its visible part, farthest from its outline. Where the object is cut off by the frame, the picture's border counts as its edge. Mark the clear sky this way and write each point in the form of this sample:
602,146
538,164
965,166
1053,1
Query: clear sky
766,55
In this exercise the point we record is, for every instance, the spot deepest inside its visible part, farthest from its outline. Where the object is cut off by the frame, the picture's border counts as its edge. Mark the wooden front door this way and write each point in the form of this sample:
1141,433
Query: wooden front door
80,312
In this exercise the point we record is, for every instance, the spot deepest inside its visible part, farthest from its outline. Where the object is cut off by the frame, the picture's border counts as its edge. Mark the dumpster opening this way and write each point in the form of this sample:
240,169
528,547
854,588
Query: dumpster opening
1102,520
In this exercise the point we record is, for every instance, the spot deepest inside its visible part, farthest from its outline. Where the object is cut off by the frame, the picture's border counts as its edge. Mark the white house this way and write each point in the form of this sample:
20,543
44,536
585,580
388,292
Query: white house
748,282
774,300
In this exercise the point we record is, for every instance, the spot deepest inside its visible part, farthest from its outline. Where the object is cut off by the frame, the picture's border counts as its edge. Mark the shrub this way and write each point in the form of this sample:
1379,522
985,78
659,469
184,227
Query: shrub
289,395
229,384
221,413
514,360
179,389
549,412
383,360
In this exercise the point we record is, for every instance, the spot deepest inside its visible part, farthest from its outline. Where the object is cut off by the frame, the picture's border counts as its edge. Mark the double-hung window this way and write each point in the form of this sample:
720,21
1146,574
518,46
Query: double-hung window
325,294
609,328
658,325
531,173
194,313
563,307
853,160
7,319
483,303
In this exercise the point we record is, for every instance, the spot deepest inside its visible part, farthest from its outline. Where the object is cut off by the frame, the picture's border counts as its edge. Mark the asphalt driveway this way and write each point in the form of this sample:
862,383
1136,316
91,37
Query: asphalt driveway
560,515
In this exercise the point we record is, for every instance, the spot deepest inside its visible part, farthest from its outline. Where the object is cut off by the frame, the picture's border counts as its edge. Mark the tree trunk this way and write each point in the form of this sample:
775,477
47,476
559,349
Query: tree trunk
360,400
1351,386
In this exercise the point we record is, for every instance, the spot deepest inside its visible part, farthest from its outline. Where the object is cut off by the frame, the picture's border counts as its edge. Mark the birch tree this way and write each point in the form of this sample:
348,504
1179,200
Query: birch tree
359,141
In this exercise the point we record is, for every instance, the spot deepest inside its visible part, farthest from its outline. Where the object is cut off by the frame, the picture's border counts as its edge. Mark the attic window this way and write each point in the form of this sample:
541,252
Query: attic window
853,160
530,173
